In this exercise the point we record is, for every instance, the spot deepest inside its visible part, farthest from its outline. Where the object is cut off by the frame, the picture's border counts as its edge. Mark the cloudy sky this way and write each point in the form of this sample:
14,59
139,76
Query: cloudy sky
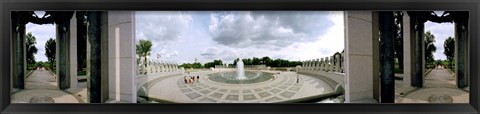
42,33
206,35
441,31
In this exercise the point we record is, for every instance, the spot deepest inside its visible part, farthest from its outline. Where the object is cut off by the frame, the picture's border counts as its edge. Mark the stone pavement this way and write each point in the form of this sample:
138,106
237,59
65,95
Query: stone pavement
41,87
284,87
439,87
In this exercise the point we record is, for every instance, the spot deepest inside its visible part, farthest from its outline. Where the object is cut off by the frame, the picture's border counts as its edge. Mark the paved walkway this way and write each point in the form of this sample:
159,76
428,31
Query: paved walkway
284,87
41,87
439,87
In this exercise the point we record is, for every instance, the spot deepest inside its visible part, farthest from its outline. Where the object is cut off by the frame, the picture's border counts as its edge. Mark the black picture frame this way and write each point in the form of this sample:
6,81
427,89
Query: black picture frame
323,5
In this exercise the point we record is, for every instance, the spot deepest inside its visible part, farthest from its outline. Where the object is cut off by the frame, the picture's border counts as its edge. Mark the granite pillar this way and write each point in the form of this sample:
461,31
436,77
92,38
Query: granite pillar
359,56
419,52
387,30
408,49
460,52
72,49
121,46
321,64
94,85
62,48
20,53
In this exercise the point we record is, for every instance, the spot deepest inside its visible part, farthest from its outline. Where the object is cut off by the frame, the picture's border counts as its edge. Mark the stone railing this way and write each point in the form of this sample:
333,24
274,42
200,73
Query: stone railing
152,72
156,67
328,64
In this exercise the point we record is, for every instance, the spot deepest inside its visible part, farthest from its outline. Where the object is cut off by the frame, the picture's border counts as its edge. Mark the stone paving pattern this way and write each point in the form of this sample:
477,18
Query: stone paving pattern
207,91
41,83
439,82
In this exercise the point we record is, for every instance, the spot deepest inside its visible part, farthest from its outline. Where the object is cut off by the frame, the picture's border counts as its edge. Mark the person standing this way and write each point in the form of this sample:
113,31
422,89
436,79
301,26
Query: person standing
298,78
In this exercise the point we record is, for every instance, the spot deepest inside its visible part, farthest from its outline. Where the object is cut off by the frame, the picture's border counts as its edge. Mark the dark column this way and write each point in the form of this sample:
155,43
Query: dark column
20,52
94,34
387,32
14,49
417,80
62,79
461,38
62,20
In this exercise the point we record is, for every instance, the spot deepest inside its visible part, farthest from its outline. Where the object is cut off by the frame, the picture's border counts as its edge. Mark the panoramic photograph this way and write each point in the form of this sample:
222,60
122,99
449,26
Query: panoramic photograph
240,56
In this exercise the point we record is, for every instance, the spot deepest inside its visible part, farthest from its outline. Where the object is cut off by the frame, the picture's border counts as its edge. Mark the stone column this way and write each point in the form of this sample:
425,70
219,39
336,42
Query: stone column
337,63
321,64
408,49
62,55
72,49
121,46
303,65
20,53
332,63
312,65
306,65
359,44
387,62
94,87
327,64
419,52
461,37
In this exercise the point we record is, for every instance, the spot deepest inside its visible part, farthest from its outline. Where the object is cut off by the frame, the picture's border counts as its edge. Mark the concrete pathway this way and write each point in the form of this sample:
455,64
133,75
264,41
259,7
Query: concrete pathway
41,87
440,77
284,87
41,79
439,87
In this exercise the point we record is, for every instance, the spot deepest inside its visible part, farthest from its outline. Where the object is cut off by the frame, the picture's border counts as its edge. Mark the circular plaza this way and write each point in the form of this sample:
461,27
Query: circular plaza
206,89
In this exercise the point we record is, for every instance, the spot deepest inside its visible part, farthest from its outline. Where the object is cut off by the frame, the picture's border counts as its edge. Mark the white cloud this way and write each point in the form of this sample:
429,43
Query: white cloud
272,30
441,31
229,35
42,33
162,28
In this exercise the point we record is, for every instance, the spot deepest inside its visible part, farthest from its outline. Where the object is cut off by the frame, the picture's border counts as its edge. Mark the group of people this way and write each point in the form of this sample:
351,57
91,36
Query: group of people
190,79
274,77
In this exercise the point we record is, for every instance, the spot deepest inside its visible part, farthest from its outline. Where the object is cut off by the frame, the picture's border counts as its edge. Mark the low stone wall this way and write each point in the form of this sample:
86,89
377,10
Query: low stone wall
157,67
332,78
327,64
143,79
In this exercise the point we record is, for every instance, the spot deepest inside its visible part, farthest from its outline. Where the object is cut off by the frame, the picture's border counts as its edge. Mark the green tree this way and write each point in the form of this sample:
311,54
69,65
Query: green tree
449,46
144,47
235,61
212,64
256,61
186,65
50,51
31,49
197,65
267,61
429,47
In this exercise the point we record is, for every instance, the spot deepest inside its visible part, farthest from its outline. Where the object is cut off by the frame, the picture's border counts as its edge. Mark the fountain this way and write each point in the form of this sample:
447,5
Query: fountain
240,76
240,70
